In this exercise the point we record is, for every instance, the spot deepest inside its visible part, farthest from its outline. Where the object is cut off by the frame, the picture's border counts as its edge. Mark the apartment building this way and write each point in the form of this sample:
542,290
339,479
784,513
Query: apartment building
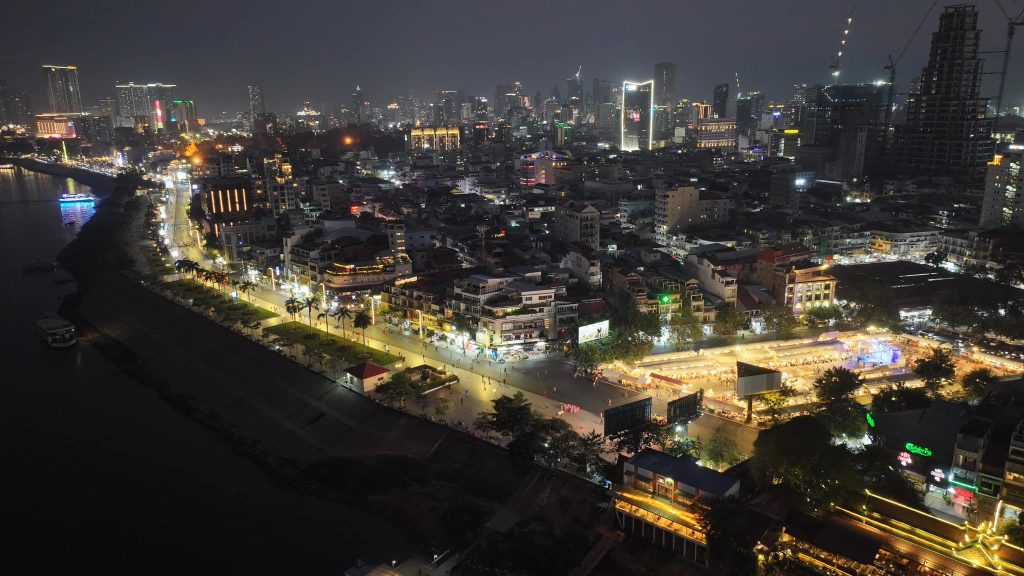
579,222
793,280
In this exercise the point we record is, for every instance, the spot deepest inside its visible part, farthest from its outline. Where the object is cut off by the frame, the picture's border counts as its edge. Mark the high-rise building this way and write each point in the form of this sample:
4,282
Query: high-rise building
637,117
19,111
665,83
183,116
1003,204
664,99
4,102
749,109
257,106
574,86
360,107
720,101
946,131
65,97
445,111
601,91
141,105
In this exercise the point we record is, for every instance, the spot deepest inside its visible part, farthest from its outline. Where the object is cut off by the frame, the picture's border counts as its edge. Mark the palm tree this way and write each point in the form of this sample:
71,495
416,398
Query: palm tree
247,287
362,321
292,306
328,315
341,314
309,304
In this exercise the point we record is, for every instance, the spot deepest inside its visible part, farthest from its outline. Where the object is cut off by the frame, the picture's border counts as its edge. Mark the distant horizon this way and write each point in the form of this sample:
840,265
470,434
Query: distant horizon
314,54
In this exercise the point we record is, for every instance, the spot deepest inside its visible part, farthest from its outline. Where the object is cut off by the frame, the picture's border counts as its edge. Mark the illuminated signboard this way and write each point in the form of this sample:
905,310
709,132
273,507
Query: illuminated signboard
870,419
159,113
938,475
592,332
919,450
905,459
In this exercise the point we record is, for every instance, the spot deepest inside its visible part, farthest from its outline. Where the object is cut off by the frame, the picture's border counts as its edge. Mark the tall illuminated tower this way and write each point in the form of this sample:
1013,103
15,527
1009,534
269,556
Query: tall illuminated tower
62,89
637,115
257,108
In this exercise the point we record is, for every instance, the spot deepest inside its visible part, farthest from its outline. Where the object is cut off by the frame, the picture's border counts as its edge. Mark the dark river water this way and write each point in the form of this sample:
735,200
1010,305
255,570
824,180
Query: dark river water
96,471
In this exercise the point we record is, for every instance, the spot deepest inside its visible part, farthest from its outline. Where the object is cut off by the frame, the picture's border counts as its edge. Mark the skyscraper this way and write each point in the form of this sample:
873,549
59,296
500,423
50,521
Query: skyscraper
946,131
19,111
143,104
62,88
3,102
720,102
257,108
749,108
664,99
637,119
665,83
359,107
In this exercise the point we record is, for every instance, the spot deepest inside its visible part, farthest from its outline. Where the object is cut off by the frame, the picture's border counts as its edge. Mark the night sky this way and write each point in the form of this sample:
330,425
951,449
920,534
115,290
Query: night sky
318,51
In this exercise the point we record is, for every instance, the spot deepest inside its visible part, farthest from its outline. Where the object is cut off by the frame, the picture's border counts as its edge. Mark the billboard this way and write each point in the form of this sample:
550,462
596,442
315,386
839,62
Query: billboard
686,409
753,380
627,416
592,332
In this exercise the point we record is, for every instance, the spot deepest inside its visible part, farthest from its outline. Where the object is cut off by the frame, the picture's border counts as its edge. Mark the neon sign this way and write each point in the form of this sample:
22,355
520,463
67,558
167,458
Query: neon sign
905,459
870,419
938,475
919,450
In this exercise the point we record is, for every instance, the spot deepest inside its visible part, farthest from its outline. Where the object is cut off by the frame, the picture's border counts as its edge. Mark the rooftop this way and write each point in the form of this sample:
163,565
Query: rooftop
684,470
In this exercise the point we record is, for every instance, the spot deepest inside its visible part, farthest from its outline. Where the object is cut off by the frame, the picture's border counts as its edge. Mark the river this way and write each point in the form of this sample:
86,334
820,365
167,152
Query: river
99,472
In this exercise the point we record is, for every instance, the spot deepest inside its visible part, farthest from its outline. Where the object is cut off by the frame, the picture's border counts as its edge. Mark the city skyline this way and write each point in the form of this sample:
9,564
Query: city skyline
223,58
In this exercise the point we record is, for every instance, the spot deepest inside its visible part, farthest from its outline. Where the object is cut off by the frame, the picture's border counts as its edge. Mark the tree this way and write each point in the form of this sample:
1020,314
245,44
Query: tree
642,435
798,460
685,447
1014,531
726,524
510,416
362,321
247,287
293,306
310,303
874,465
935,258
326,316
397,391
559,441
935,369
728,321
773,402
683,328
844,418
898,397
720,451
341,314
779,320
836,385
822,315
587,453
976,382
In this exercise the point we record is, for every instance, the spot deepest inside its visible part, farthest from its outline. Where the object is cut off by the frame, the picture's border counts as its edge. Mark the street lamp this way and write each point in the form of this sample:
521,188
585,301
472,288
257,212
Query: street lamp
420,312
272,284
323,295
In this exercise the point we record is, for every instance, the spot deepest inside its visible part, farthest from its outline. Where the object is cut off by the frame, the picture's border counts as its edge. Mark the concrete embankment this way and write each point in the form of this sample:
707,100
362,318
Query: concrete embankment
102,184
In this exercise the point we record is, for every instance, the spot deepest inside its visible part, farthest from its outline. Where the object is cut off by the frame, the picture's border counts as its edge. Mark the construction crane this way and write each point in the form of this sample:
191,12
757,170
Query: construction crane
834,65
1011,25
891,67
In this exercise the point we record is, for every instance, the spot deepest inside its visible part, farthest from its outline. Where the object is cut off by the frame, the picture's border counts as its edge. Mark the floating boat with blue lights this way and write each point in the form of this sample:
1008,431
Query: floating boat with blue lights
77,198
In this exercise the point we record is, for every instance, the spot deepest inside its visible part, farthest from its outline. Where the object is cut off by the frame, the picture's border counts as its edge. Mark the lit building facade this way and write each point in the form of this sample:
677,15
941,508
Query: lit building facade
62,89
435,138
637,116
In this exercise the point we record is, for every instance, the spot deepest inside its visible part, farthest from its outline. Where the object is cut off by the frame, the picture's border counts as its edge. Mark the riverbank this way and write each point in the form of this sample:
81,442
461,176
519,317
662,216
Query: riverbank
101,184
434,487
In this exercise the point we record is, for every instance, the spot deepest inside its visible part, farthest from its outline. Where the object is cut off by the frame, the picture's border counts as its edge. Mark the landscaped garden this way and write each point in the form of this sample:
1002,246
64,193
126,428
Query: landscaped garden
231,310
335,347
